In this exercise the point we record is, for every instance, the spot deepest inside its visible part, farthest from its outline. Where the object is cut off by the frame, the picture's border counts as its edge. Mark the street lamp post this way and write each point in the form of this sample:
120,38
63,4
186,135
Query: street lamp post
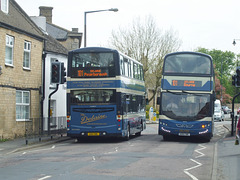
85,21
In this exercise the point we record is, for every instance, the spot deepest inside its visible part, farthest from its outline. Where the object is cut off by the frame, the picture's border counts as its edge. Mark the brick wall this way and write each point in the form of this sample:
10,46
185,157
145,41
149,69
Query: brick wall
15,77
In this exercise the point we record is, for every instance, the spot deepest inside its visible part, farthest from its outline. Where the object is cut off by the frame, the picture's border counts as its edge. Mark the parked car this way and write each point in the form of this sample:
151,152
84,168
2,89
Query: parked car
218,115
226,109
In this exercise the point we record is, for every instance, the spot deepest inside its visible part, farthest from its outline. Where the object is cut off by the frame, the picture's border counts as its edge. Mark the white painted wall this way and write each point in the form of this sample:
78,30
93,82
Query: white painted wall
60,96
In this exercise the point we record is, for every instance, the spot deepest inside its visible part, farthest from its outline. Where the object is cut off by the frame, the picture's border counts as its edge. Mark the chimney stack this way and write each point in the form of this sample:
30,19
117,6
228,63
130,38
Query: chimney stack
46,12
75,30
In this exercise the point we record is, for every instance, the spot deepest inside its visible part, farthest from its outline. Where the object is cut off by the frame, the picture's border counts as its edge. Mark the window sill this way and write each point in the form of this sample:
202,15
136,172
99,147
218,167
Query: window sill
9,65
26,69
23,120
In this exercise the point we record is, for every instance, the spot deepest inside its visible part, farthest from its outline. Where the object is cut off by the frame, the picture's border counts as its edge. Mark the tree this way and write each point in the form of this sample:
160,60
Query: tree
145,42
224,63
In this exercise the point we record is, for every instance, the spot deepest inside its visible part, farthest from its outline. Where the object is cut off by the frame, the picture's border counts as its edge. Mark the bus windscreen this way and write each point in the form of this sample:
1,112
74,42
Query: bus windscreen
187,64
185,107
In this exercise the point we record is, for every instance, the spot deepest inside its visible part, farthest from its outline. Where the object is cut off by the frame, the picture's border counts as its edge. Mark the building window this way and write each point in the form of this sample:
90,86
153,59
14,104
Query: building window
27,55
22,105
4,5
9,50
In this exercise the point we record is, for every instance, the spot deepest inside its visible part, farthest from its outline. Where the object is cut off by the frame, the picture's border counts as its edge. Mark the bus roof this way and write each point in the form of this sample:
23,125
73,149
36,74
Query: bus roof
101,49
93,49
188,52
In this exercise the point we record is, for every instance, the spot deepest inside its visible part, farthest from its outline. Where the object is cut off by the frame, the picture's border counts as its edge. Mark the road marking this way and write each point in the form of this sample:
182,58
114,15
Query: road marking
220,130
188,169
215,162
202,147
93,159
36,150
111,152
198,151
45,177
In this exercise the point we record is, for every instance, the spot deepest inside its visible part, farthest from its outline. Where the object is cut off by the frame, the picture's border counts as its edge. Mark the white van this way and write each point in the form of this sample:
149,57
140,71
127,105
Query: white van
217,104
218,112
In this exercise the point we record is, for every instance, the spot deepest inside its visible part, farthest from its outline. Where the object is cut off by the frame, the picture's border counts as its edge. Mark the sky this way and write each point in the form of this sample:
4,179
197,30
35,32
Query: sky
211,24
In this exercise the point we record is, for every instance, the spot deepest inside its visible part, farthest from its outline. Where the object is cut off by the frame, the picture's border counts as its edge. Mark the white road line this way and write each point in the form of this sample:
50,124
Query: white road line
198,151
188,169
111,152
93,159
202,147
39,150
46,177
215,162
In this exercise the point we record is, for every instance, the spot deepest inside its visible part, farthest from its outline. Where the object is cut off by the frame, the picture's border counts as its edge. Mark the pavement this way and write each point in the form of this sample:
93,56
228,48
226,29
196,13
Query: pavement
21,144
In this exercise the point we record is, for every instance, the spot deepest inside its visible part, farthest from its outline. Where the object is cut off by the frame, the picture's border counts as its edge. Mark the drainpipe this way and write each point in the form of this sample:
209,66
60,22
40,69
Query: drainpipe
43,86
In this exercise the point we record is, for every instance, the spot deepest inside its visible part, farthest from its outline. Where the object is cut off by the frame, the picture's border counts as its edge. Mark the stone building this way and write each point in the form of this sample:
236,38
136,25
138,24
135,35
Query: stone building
69,39
53,51
21,50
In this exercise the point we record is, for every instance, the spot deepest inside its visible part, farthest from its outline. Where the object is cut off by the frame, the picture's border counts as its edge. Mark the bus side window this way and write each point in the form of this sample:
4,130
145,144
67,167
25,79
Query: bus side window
135,71
122,66
126,67
130,68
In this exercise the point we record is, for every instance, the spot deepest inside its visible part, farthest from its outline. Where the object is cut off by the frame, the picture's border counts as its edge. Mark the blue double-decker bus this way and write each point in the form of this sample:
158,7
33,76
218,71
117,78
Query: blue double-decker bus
187,95
105,94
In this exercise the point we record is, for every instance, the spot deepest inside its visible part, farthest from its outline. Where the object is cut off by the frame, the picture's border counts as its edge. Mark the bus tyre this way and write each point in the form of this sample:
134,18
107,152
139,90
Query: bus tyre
141,129
138,133
166,138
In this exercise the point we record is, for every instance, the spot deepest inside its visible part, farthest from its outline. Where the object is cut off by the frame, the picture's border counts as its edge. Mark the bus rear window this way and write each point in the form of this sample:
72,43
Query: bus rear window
92,60
92,65
93,96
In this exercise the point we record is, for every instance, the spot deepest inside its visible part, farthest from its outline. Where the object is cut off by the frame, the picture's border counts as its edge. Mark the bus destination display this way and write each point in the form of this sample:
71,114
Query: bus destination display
92,73
187,83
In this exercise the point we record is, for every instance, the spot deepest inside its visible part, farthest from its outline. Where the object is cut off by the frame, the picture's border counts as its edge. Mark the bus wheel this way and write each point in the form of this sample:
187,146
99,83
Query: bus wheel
127,137
139,133
166,138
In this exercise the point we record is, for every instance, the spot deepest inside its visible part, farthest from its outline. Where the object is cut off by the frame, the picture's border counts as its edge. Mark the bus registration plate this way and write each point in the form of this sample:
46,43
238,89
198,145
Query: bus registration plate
184,134
94,134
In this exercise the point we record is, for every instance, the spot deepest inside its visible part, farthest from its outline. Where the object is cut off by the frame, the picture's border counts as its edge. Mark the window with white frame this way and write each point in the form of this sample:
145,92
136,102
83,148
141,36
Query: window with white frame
9,50
27,55
4,5
22,105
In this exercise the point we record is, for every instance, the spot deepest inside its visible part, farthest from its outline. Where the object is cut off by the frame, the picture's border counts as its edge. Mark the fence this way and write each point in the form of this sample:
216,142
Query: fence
45,127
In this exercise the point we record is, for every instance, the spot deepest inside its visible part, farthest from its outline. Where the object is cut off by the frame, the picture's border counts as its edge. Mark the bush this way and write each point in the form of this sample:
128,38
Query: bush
147,114
147,107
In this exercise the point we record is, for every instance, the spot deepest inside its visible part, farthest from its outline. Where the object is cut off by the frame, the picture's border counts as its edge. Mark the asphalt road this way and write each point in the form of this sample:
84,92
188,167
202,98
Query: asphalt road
147,157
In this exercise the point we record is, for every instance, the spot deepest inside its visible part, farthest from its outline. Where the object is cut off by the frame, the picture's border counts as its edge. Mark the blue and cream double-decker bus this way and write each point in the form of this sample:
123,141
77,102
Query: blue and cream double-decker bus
187,95
105,94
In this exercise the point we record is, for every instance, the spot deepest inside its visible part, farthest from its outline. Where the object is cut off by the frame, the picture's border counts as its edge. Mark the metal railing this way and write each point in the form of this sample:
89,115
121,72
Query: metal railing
37,128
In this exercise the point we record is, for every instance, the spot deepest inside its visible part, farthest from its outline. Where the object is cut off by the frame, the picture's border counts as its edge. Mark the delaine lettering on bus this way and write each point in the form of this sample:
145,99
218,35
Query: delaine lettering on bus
85,119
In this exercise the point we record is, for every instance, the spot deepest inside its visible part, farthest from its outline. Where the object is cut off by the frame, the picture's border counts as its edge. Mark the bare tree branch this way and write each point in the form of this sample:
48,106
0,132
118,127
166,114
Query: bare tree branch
145,42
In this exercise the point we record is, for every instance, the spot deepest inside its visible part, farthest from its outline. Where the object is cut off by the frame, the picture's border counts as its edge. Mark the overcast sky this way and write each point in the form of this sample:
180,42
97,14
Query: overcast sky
211,24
